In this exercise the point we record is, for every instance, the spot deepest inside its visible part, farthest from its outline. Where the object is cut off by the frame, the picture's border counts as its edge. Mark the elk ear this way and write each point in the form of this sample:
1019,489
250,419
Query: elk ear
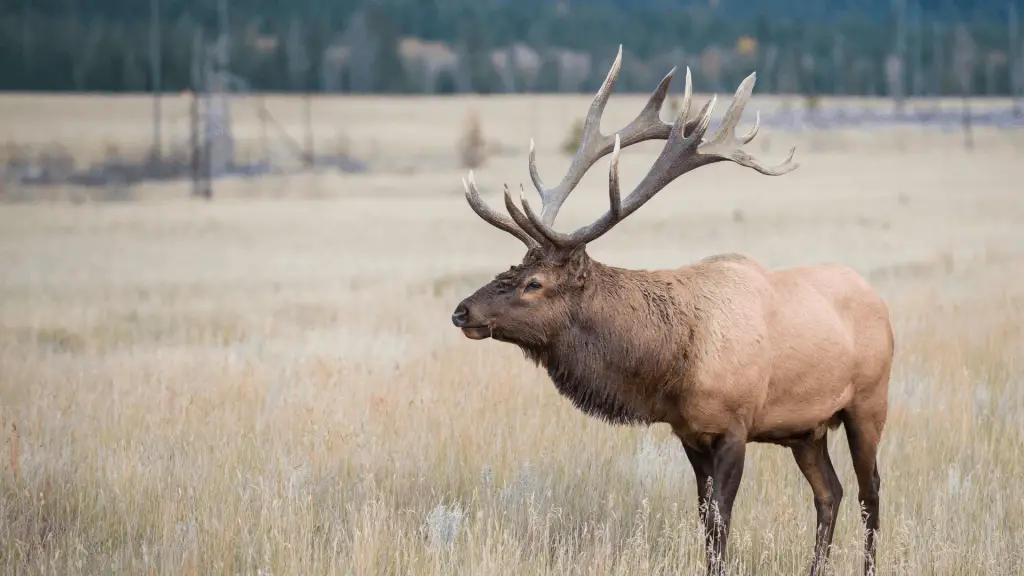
577,265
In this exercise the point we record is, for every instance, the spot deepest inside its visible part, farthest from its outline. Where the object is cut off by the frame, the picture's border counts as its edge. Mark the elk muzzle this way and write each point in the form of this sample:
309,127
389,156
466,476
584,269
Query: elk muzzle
463,318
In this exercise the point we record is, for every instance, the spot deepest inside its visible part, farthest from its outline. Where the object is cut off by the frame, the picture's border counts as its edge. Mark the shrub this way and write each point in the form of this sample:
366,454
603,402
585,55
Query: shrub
572,139
472,145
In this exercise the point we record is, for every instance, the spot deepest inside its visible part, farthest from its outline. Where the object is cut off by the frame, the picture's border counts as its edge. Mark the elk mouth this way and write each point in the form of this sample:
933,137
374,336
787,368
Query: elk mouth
477,332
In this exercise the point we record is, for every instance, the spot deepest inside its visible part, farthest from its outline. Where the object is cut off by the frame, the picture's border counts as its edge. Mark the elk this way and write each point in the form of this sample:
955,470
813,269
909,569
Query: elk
725,351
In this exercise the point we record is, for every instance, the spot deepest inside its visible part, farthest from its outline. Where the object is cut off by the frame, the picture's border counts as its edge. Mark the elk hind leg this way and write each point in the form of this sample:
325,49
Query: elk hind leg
813,460
703,469
864,432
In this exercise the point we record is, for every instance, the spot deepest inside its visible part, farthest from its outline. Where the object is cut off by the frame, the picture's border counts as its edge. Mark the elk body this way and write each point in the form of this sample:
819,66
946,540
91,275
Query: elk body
725,351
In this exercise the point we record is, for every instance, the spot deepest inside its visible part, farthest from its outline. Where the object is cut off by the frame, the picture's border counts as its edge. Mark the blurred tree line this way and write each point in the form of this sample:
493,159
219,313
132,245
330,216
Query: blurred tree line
842,46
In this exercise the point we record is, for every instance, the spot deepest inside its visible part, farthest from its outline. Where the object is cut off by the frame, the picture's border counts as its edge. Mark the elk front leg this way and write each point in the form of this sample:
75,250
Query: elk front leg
718,471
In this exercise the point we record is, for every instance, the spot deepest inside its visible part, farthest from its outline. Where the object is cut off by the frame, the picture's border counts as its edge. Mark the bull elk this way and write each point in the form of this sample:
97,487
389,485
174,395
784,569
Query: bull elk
725,351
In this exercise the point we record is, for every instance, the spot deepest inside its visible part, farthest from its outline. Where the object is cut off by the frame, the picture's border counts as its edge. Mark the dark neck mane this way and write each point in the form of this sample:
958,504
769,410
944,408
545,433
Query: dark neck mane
617,354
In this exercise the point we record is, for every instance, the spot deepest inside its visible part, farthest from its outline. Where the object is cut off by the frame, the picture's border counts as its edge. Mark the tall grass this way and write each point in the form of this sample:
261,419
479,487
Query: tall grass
275,387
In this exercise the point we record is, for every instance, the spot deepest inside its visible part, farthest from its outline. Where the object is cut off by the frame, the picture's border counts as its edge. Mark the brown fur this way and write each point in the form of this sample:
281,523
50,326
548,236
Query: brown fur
701,347
723,348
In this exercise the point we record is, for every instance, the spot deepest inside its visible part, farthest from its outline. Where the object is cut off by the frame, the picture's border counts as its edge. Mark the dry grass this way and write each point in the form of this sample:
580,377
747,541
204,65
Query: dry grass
410,134
275,387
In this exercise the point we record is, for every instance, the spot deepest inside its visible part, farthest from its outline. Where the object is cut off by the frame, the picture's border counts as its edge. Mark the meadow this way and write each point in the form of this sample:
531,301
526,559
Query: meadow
269,382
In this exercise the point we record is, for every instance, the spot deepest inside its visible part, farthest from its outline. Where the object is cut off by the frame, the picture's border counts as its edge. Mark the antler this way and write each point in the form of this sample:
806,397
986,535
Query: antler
593,146
521,229
684,151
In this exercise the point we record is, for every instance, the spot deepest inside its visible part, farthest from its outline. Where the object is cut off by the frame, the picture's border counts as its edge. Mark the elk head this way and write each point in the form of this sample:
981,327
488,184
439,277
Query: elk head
532,301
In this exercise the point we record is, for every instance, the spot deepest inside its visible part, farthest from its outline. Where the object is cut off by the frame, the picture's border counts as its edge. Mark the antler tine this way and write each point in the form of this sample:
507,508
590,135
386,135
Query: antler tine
594,145
599,227
520,219
614,198
496,219
684,151
588,151
725,145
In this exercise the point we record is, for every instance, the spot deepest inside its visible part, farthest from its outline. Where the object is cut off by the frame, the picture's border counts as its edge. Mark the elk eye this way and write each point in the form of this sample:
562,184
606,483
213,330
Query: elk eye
533,284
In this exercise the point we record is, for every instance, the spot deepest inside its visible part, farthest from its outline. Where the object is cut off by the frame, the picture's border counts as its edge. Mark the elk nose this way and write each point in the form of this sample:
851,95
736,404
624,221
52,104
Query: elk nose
460,316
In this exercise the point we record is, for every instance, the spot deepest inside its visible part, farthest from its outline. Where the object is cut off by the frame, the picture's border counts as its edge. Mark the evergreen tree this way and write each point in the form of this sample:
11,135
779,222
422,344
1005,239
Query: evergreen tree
104,44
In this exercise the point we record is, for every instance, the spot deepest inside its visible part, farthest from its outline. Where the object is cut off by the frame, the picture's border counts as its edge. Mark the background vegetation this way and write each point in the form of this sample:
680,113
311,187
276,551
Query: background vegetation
840,47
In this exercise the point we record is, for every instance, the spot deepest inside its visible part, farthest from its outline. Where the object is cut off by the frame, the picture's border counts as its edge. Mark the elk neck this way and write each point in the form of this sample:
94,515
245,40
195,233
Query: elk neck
626,349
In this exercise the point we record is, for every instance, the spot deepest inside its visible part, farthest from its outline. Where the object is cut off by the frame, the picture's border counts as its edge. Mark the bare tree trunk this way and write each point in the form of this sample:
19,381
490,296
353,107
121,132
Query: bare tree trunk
838,66
771,60
964,49
1014,58
990,76
156,71
307,116
901,52
264,136
225,37
362,55
1020,80
26,36
918,71
938,59
82,62
201,186
894,80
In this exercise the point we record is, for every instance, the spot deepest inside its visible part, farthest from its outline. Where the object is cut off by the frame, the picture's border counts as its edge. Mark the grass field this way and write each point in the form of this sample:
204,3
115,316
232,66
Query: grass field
273,385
